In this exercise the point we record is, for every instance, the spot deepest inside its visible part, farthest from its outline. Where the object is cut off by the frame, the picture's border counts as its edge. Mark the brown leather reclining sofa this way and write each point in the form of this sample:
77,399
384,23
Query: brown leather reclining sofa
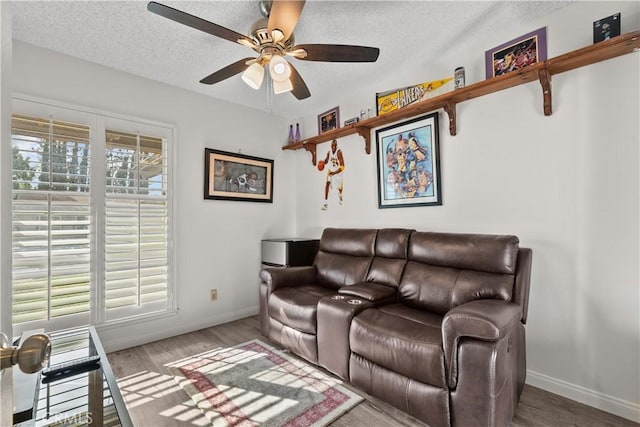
432,323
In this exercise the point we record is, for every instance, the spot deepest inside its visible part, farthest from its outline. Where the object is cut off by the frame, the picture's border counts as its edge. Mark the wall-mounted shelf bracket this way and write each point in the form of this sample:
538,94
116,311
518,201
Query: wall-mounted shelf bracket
545,81
450,108
312,149
365,133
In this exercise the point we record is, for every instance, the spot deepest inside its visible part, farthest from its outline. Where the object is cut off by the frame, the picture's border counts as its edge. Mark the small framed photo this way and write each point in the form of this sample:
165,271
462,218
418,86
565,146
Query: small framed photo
329,120
517,53
606,28
232,176
408,156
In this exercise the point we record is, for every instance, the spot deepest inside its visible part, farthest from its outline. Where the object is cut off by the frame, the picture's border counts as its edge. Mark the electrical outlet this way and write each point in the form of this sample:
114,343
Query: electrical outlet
214,294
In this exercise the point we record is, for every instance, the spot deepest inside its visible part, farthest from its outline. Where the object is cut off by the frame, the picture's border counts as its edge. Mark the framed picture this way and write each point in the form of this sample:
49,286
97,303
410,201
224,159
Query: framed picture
606,28
517,53
329,120
409,163
232,176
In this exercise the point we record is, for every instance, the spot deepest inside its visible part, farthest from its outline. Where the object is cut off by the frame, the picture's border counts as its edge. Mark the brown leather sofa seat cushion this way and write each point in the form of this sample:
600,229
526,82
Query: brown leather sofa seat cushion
297,307
402,339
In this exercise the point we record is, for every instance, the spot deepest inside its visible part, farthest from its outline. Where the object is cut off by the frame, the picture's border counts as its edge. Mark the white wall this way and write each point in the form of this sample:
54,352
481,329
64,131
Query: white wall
567,185
217,242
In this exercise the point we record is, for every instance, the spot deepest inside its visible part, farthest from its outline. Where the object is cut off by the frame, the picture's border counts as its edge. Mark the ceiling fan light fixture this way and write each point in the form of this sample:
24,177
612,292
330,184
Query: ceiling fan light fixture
279,68
253,76
282,86
272,39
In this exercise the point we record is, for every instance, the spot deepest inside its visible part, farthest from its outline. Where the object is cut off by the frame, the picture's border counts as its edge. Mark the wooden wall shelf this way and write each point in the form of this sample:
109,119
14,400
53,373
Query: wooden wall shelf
542,71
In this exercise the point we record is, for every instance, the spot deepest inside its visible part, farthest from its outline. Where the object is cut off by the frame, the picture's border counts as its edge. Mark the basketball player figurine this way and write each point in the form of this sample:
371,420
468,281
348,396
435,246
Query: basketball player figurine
335,168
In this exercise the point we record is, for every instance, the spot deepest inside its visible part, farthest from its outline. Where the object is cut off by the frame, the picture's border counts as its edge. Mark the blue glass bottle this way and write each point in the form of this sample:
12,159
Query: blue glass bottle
290,139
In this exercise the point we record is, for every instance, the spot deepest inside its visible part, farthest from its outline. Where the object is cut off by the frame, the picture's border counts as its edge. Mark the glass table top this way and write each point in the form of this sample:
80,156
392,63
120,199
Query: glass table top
86,398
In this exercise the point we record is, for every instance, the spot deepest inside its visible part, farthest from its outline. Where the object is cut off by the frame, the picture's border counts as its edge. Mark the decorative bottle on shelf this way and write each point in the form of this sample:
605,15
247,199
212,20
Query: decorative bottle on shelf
290,139
297,138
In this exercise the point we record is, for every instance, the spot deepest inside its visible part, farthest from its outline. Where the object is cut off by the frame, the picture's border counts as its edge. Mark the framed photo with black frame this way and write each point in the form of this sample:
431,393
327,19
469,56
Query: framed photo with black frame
233,176
329,120
408,163
606,28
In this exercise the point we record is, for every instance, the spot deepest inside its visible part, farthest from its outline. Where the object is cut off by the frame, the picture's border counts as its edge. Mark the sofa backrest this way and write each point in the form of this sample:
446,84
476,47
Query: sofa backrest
445,270
344,256
391,250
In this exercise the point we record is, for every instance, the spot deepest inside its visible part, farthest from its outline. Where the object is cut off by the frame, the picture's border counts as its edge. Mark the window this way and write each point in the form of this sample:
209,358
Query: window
135,259
51,215
91,218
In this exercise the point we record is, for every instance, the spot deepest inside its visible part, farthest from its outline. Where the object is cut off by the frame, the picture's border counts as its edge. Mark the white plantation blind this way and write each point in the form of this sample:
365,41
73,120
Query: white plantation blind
136,230
51,218
91,217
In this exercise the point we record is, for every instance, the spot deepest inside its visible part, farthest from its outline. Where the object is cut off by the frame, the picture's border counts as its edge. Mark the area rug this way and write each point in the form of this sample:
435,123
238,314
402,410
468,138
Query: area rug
255,384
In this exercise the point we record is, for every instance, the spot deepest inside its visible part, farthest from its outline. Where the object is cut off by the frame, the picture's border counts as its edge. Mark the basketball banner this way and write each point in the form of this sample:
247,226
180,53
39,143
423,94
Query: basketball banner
396,99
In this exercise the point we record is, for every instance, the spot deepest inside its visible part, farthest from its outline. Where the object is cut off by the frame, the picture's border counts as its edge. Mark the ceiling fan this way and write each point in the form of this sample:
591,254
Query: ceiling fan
272,38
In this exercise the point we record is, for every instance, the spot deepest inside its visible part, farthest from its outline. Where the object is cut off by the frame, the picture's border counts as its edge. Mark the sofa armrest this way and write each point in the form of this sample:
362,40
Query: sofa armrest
369,291
276,278
486,320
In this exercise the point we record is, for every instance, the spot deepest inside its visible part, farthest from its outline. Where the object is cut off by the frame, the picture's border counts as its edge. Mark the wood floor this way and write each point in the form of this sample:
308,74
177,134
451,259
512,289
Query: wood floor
154,399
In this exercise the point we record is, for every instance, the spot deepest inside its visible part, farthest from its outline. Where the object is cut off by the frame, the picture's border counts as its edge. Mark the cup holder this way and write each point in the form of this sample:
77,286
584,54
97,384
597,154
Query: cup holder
354,301
338,297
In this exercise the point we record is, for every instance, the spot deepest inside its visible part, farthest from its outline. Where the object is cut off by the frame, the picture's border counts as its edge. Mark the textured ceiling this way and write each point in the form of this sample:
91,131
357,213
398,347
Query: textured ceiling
125,36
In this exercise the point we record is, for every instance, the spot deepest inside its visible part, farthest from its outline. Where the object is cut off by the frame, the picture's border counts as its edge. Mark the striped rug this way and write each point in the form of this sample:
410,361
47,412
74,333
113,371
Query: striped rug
255,384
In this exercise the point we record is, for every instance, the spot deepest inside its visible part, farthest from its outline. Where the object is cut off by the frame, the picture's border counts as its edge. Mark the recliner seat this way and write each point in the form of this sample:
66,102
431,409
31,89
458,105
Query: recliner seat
432,323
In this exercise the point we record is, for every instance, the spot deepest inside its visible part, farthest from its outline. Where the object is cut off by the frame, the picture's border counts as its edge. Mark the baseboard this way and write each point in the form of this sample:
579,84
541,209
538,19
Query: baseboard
125,341
614,405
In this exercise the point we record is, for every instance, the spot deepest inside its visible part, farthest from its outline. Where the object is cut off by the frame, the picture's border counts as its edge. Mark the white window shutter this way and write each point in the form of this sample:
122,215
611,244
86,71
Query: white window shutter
88,251
136,230
51,219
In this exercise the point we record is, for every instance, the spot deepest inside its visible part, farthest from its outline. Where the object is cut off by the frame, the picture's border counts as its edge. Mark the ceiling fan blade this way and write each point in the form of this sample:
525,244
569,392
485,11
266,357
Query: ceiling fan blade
197,23
284,16
338,53
300,89
226,72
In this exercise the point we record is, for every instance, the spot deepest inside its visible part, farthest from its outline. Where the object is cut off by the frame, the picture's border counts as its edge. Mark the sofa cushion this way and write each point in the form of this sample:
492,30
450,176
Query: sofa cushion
392,245
401,339
417,316
439,289
344,256
348,241
387,271
481,252
297,307
337,270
